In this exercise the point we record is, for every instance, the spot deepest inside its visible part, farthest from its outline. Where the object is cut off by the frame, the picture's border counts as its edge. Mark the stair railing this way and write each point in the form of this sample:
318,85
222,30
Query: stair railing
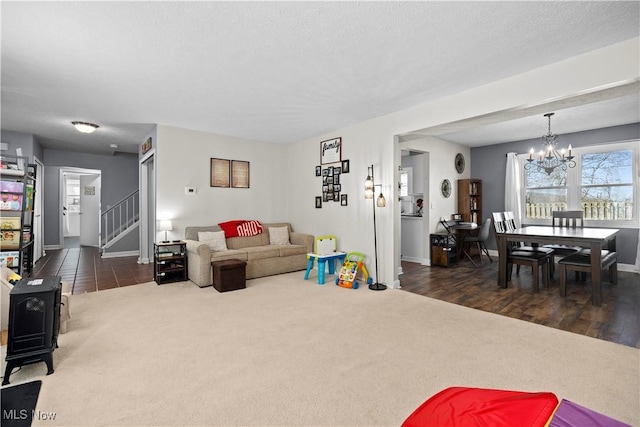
120,217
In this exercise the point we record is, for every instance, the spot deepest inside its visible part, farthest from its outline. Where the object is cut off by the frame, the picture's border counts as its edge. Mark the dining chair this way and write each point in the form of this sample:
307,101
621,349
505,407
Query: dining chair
533,259
510,224
566,219
581,263
480,240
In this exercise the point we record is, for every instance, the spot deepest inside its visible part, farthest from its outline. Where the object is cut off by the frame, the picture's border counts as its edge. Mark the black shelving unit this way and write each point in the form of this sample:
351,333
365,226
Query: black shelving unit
17,192
170,262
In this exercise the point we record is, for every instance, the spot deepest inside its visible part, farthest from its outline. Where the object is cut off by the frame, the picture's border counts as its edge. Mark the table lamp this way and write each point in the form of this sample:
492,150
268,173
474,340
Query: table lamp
165,225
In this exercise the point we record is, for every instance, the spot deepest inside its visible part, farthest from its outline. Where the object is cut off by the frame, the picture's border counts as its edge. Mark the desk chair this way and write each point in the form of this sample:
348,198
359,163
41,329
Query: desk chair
326,252
480,240
533,259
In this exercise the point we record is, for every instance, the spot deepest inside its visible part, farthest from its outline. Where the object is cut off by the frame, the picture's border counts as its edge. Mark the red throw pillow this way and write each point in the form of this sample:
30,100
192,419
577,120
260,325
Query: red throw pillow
230,228
250,228
240,227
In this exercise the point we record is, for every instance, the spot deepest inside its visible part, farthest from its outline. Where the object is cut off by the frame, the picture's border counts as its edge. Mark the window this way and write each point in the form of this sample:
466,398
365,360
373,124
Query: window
545,193
606,190
406,181
601,185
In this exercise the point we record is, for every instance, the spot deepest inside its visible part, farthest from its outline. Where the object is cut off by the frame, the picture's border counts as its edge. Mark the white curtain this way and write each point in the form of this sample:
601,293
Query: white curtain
513,188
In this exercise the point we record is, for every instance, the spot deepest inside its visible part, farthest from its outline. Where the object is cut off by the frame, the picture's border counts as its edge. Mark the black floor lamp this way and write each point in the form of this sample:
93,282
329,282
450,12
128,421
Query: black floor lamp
369,187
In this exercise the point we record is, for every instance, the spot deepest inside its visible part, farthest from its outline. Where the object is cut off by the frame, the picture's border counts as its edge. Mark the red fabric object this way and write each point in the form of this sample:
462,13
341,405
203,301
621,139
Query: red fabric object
475,407
240,227
230,228
250,228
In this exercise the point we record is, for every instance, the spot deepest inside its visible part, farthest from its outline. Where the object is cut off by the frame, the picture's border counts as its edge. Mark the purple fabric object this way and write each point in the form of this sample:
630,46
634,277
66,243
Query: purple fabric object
571,414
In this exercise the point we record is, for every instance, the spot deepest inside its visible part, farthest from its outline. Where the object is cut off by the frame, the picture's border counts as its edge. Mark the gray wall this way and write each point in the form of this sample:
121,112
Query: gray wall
489,164
119,178
26,141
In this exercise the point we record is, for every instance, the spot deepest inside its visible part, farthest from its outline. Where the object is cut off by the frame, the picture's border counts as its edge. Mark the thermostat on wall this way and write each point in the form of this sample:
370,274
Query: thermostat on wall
190,190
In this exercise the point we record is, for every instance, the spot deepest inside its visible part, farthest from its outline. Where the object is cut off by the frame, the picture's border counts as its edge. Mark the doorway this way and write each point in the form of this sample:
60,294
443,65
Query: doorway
413,197
80,192
147,207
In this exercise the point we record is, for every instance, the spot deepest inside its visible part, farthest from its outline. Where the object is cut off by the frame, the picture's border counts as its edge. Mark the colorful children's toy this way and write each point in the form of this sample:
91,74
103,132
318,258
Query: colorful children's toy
347,276
326,252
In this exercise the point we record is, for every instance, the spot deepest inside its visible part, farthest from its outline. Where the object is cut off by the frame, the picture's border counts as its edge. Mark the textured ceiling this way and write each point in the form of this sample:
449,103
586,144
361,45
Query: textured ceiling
271,71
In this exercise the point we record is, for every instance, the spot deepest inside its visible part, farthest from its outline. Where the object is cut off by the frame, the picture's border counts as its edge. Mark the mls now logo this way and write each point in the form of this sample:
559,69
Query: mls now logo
23,414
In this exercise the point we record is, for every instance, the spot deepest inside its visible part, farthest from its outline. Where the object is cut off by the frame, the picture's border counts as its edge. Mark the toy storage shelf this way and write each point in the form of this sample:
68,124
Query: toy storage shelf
17,192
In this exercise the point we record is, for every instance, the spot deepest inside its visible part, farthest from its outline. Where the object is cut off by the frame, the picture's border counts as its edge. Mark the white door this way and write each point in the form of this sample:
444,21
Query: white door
90,210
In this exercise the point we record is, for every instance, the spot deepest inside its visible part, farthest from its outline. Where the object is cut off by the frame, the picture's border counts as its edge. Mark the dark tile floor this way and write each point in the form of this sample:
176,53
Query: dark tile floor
84,269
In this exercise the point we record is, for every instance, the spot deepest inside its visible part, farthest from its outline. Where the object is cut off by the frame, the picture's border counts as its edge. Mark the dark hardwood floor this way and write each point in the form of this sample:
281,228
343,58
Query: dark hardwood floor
616,320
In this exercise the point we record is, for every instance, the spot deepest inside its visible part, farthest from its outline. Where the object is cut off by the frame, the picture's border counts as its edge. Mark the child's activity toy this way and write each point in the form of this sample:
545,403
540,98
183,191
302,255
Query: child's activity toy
325,253
352,264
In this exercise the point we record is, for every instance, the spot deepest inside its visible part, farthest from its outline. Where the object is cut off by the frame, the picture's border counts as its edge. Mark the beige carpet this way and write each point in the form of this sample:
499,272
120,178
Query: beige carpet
286,351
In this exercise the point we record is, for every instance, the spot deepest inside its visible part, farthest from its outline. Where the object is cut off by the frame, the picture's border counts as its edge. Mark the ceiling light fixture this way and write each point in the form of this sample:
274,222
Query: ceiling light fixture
549,159
85,127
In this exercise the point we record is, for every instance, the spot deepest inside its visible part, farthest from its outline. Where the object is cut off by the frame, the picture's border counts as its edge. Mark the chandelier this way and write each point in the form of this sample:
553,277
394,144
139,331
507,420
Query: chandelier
549,159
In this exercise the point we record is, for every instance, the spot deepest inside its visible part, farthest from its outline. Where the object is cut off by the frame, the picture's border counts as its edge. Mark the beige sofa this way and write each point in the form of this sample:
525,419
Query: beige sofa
263,259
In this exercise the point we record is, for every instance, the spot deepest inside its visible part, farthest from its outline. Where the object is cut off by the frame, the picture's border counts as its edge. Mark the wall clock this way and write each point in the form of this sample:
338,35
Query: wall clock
445,188
459,162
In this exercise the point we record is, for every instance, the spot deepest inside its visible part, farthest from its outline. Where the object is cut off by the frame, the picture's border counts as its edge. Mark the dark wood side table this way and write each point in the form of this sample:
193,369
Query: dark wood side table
443,250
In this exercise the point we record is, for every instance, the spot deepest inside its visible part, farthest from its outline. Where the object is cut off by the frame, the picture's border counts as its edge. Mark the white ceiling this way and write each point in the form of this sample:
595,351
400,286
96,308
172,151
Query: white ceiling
283,71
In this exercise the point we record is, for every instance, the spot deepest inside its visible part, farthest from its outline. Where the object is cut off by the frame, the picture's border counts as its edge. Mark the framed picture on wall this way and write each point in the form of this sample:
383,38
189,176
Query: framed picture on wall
220,172
239,174
318,202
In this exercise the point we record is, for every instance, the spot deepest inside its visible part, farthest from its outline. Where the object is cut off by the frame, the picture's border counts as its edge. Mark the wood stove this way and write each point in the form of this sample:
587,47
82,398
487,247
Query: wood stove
34,320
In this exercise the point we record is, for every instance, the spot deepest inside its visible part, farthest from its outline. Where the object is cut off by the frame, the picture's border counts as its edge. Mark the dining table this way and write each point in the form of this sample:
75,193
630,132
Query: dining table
592,238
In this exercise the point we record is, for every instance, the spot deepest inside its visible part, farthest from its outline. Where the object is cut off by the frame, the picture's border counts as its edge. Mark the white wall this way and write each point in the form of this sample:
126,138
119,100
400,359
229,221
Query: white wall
375,141
183,160
283,181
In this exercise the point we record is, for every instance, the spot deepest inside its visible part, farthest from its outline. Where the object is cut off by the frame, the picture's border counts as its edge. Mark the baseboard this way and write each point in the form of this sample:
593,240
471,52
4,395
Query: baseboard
422,261
627,267
119,254
52,247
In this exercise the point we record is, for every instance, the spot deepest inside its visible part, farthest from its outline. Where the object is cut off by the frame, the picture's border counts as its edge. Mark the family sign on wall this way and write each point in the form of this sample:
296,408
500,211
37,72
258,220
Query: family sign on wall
331,154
